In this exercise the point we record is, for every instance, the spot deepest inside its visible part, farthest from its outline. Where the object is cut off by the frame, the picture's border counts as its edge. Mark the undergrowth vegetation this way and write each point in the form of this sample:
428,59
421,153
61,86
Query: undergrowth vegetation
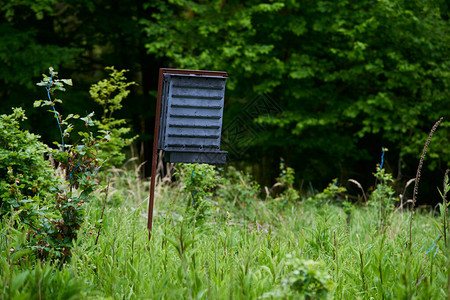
78,231
303,249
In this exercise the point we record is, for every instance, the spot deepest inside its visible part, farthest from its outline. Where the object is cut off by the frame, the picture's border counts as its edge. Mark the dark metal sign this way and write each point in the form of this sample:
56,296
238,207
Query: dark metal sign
188,121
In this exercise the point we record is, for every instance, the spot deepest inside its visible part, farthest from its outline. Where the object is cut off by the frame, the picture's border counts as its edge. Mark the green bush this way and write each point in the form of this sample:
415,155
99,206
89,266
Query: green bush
52,208
332,192
308,280
23,155
109,93
199,180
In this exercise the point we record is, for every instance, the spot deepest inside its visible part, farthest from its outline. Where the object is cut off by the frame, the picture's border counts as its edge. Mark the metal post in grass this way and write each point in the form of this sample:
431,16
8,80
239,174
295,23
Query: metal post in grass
188,120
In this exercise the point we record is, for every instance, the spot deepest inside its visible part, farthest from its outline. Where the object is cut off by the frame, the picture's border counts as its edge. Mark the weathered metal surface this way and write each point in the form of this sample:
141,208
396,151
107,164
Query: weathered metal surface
218,157
191,117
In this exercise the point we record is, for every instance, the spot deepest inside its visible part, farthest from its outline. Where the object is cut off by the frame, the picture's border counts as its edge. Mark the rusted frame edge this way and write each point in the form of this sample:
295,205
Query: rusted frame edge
155,154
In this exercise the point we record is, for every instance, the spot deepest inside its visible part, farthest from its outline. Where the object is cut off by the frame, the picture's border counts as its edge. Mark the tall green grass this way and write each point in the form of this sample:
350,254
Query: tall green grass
233,257
304,250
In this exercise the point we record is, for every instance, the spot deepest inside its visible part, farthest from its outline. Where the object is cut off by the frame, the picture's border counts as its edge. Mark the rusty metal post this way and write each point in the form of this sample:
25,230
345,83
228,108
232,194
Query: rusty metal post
155,154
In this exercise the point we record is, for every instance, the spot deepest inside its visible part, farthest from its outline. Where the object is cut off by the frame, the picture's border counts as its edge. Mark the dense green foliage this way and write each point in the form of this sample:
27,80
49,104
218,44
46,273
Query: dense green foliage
51,199
110,93
347,77
22,164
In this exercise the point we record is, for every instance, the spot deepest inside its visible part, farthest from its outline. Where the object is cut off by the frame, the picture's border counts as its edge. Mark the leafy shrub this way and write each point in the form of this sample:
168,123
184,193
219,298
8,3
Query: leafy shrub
55,227
23,165
332,192
109,93
199,180
308,279
383,196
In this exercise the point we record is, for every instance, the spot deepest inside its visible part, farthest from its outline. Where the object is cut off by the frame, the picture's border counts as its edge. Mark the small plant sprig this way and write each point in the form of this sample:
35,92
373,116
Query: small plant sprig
383,196
331,192
52,84
286,180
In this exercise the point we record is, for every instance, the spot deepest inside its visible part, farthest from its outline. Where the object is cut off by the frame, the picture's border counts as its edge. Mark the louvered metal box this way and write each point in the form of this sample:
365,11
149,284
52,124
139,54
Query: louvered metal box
191,118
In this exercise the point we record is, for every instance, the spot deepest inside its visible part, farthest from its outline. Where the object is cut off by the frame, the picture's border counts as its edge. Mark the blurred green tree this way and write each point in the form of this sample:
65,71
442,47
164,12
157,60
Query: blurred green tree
349,76
79,38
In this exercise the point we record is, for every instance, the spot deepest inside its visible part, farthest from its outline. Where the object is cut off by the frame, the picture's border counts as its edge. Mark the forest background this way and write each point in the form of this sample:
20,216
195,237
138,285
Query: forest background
324,85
